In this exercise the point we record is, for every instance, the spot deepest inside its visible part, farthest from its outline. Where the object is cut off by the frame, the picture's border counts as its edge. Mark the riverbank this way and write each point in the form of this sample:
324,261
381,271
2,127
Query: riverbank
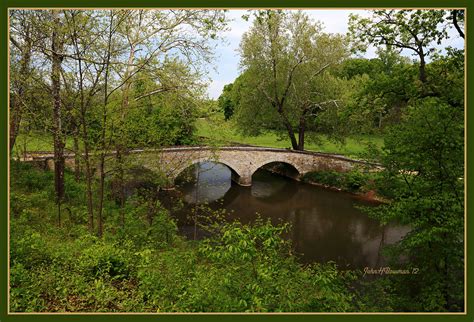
362,185
368,196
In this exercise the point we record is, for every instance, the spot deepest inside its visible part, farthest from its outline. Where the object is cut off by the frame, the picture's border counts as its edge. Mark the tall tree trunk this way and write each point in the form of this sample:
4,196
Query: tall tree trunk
87,162
301,132
289,129
84,131
17,102
77,153
100,227
56,60
119,146
103,143
121,183
422,68
291,135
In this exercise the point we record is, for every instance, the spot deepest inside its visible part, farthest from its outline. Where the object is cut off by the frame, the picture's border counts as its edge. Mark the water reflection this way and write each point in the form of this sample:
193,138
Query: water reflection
326,224
213,178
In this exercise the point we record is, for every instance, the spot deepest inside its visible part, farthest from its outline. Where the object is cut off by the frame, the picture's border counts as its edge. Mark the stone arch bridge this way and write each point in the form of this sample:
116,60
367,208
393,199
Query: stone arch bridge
243,161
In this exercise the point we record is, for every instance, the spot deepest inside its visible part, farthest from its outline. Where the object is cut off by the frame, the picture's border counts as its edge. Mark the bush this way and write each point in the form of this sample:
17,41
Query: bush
242,268
101,259
26,177
352,181
29,249
139,213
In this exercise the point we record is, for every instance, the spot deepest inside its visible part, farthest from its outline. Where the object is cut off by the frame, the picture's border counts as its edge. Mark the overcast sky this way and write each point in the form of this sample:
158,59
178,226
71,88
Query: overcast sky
227,57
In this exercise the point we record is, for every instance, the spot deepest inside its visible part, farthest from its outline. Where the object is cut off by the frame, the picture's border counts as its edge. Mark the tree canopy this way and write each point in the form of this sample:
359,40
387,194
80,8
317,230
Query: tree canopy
285,58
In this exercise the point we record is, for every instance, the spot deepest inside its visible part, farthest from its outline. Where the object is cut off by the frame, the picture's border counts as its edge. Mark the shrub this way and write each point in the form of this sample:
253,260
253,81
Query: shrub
352,181
26,177
241,268
29,249
104,260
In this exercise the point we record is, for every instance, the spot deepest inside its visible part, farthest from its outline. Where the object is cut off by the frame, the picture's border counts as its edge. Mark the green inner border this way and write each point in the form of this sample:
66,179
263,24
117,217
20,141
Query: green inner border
221,4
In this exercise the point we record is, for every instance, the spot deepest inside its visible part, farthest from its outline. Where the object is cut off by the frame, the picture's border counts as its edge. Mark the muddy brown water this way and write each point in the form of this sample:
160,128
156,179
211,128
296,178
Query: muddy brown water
326,225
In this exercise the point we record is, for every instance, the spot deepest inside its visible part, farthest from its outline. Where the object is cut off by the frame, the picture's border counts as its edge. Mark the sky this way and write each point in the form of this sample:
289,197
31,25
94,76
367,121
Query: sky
226,64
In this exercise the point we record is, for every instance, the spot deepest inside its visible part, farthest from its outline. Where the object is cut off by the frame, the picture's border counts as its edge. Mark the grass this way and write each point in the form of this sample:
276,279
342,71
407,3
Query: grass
215,131
37,141
219,132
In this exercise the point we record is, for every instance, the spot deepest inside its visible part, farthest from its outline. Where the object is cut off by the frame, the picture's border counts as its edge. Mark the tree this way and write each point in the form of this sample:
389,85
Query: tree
285,58
162,34
457,16
425,155
57,43
447,77
383,87
21,26
413,30
225,102
85,50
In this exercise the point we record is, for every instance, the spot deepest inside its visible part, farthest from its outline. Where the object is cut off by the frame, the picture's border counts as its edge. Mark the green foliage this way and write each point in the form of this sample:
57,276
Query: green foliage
145,267
160,126
353,181
354,67
100,259
25,176
160,117
427,151
148,223
286,83
82,275
225,103
242,268
380,90
446,77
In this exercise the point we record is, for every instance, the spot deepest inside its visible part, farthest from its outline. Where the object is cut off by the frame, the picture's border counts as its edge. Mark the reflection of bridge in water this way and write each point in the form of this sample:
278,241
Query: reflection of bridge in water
242,161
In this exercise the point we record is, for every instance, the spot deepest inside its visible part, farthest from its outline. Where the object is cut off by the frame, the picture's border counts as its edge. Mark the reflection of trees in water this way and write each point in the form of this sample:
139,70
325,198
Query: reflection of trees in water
271,187
326,224
204,182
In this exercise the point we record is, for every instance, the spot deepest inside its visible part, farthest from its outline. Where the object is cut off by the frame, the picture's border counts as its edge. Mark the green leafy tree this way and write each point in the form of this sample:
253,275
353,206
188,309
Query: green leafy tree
382,89
447,77
225,102
285,58
414,30
426,154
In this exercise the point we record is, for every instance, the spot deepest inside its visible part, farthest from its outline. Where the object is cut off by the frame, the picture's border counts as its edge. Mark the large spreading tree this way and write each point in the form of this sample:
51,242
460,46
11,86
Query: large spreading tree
285,59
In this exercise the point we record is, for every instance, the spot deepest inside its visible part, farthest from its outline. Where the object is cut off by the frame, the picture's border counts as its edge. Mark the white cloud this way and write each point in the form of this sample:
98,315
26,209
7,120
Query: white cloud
216,86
